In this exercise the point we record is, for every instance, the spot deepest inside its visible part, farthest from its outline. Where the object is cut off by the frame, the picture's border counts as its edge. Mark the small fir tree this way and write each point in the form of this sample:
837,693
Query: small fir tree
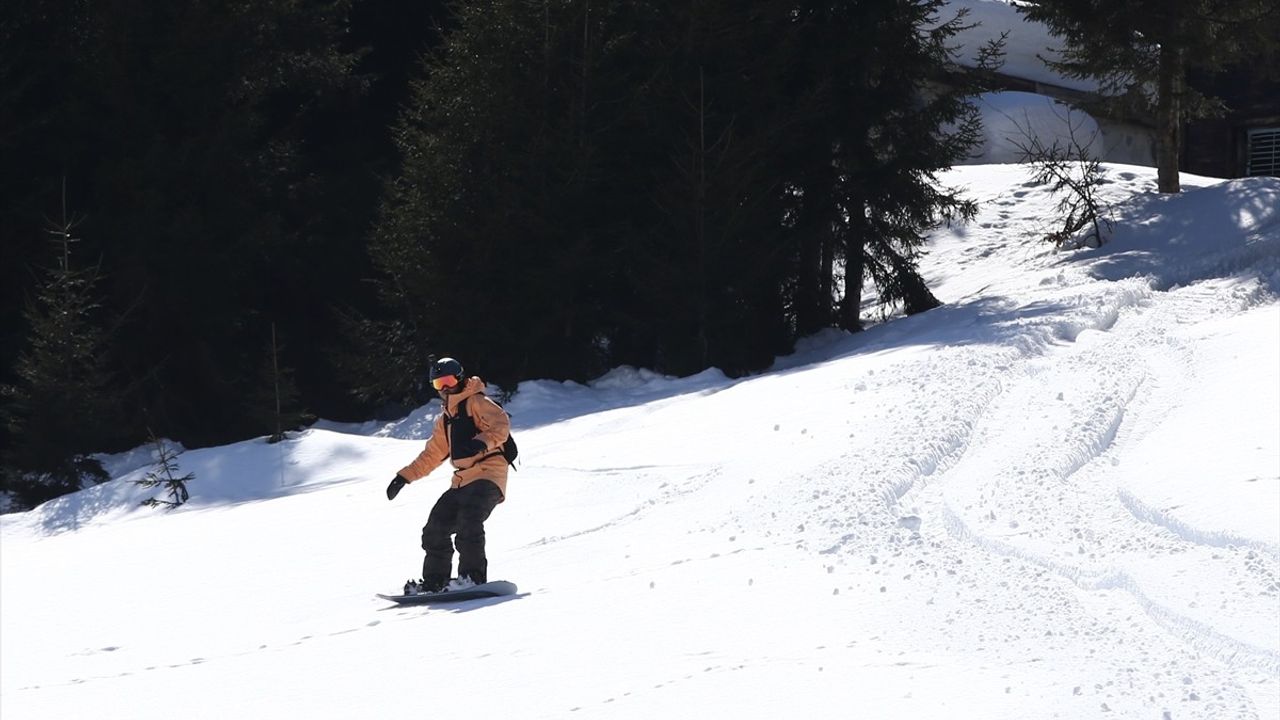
63,404
164,475
1074,177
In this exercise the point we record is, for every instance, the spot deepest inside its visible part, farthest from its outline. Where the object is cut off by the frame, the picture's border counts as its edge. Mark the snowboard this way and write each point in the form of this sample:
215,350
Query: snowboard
496,588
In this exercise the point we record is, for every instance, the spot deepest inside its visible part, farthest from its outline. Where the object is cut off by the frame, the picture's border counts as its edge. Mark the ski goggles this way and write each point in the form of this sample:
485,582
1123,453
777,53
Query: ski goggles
444,381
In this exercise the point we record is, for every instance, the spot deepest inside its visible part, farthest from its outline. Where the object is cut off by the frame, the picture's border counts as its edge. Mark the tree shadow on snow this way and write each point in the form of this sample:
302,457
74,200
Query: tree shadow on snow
1216,231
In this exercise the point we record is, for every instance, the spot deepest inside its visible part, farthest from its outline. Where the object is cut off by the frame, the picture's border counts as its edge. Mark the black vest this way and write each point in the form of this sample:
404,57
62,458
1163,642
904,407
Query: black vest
461,427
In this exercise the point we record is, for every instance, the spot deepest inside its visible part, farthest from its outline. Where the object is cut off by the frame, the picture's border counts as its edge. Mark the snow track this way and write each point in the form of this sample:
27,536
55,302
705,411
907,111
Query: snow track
1212,538
1058,507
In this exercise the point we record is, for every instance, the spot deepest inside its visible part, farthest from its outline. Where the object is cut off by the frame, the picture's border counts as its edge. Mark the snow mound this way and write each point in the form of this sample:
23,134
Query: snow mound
1011,121
1221,230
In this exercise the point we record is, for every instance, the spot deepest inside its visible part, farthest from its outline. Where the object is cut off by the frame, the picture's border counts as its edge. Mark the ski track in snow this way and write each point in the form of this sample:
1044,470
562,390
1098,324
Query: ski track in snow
1048,504
1212,538
1056,510
1053,507
667,494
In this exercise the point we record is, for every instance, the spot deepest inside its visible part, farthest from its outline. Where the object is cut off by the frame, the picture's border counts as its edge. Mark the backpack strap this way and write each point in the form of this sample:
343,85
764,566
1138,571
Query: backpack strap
462,410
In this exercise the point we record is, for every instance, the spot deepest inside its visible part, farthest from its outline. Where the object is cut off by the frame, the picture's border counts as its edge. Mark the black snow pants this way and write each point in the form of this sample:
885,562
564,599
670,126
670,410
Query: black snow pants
461,511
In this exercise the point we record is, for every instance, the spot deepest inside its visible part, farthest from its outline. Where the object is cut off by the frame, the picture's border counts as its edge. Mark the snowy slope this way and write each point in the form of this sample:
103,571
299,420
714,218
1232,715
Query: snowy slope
1057,496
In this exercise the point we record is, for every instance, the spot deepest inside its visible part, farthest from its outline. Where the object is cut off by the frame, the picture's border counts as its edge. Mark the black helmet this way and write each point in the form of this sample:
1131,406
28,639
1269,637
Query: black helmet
445,366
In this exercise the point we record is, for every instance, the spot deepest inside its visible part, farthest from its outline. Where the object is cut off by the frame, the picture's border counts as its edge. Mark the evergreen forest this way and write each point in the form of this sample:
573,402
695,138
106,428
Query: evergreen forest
219,218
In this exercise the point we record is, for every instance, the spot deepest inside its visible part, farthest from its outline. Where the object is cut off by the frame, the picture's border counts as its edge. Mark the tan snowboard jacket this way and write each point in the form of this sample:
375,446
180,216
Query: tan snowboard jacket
492,426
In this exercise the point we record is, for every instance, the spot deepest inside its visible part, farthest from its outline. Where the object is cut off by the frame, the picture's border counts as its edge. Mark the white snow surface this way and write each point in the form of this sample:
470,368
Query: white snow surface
1056,496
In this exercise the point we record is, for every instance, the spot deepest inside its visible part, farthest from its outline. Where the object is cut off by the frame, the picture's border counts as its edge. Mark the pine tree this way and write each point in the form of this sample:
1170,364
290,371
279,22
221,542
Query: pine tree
698,270
591,184
1142,52
501,145
197,131
63,405
876,77
164,475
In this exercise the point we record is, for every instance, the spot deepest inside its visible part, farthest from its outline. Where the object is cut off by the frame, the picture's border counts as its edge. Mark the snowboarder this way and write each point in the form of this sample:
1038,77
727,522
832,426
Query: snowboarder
469,433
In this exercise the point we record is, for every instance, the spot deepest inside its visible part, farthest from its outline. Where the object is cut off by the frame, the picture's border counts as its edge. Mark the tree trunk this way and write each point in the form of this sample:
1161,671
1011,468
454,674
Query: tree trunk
855,246
1169,118
813,309
700,215
827,273
808,282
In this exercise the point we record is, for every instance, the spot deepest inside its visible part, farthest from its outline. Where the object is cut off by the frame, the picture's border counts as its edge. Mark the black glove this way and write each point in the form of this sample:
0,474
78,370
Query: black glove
394,488
474,446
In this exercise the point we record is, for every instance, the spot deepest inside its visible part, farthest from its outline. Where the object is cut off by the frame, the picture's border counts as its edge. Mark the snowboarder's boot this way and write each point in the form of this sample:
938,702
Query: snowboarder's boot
433,584
477,575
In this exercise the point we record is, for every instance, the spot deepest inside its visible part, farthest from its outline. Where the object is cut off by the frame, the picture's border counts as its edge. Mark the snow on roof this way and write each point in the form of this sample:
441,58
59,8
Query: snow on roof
1027,42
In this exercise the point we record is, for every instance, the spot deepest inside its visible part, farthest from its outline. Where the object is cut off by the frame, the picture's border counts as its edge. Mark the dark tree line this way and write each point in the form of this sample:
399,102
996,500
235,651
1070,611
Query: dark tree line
321,193
221,160
590,184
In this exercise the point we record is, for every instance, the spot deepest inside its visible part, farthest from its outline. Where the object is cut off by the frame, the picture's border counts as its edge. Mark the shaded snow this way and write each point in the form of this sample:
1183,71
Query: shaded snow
1012,122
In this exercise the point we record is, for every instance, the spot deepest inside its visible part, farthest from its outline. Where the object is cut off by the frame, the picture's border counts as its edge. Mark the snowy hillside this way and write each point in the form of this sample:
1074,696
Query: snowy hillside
1057,496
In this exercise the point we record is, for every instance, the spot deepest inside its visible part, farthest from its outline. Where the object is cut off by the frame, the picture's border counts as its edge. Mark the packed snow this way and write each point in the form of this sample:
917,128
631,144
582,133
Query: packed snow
1056,496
